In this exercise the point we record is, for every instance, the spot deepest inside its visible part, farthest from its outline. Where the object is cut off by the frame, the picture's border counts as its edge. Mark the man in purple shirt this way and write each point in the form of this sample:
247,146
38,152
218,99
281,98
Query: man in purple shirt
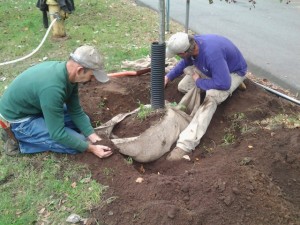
211,63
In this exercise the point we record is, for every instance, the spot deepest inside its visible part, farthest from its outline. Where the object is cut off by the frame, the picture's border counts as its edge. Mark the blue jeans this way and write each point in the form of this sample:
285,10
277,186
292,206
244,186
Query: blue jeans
34,137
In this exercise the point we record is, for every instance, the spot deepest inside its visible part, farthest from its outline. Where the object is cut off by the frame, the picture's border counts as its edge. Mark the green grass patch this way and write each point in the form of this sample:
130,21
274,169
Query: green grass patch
44,188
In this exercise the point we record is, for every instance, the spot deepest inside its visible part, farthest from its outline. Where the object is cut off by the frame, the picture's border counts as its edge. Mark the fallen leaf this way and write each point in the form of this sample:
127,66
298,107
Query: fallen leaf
47,214
73,185
42,211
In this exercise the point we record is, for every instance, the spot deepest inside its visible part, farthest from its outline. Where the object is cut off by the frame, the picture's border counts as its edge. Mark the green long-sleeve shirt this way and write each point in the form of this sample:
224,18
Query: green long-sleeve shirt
43,89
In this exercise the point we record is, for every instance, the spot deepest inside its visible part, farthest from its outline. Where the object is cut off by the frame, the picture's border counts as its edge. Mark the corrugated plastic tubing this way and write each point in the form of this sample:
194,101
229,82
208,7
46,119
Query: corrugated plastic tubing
158,53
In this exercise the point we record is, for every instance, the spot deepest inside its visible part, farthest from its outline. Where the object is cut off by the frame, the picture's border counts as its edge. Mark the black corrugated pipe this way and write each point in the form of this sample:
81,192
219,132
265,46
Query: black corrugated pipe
158,53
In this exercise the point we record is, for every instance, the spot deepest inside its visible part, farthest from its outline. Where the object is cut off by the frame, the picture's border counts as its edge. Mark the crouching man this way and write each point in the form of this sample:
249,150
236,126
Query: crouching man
213,64
41,108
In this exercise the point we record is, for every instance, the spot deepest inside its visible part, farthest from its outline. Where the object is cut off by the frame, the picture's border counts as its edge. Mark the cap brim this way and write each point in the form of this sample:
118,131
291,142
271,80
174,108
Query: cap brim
101,76
169,54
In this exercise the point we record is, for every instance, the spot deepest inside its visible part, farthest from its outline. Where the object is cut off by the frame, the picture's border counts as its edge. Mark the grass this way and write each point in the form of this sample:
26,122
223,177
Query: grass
144,111
42,188
179,106
102,103
45,189
228,139
287,121
129,160
238,124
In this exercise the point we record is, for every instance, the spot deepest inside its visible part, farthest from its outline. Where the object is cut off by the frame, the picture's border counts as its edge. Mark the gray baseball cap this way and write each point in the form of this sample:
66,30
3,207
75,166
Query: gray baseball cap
178,43
88,57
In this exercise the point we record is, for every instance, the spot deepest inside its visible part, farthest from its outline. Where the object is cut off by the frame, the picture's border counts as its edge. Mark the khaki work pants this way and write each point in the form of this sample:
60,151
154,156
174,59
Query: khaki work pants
202,114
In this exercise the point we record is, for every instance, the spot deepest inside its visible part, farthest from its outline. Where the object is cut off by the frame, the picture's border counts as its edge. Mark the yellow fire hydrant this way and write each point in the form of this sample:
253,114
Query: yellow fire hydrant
58,28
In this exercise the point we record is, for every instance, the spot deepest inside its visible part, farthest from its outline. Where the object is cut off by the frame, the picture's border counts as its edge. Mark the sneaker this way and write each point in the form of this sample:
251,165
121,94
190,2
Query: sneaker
11,147
176,154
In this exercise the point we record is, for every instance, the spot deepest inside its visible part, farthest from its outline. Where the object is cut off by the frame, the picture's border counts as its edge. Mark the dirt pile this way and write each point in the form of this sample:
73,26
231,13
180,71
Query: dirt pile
254,180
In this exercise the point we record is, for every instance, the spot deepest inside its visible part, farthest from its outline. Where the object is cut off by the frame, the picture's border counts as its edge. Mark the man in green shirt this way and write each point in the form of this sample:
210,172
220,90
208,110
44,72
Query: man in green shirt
42,106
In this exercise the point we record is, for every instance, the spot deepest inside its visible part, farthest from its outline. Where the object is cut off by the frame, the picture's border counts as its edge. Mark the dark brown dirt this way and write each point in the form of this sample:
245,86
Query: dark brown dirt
134,125
254,181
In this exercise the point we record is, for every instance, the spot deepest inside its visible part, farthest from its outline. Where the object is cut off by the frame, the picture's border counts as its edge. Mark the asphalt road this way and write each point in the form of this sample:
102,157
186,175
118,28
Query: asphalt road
268,35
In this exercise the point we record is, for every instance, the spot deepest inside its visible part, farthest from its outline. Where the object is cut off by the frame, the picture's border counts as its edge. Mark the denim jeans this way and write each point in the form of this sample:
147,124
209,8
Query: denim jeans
34,137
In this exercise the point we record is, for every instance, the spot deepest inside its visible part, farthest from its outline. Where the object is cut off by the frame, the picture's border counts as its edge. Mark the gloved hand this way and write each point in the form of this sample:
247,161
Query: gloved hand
167,80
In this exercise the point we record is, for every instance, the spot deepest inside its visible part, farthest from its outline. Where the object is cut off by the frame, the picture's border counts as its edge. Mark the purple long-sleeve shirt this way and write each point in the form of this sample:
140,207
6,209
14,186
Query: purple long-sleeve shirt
217,58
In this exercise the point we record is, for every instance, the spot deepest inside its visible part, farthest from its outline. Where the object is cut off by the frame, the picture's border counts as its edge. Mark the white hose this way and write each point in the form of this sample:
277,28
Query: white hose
35,50
279,94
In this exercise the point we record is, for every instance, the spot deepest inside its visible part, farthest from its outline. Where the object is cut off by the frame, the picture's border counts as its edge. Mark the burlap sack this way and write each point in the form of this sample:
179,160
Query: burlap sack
155,141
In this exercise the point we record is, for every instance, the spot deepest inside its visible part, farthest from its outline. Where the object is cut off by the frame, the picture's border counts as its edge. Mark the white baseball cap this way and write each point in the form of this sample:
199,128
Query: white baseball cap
88,57
178,43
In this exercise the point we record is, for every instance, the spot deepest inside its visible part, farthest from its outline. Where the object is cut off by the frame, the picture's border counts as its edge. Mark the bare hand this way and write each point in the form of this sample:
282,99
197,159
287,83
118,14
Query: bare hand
196,76
101,151
166,80
94,138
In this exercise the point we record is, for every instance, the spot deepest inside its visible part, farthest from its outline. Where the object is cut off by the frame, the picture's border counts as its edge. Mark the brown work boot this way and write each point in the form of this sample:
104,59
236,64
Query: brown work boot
10,146
176,154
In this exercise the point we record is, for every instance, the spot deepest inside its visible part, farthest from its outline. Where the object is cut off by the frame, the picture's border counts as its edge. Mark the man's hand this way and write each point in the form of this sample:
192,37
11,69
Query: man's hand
94,138
101,151
191,71
195,76
166,80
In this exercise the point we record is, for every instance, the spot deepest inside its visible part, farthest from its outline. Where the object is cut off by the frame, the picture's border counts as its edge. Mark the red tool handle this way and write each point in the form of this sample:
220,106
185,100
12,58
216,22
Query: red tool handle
3,125
129,73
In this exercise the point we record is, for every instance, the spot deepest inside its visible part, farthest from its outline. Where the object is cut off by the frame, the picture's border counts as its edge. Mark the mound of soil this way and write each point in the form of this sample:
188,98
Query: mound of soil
254,180
134,125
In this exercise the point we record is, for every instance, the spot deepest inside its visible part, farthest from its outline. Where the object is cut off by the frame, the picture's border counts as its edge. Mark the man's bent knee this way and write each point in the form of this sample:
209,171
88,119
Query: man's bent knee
186,84
217,95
